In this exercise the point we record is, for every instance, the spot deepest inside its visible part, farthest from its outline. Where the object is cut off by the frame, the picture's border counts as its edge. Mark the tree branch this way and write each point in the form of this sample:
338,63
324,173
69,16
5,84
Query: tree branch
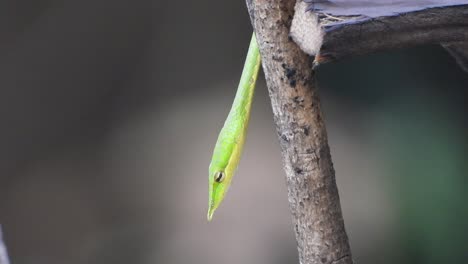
3,250
343,36
312,191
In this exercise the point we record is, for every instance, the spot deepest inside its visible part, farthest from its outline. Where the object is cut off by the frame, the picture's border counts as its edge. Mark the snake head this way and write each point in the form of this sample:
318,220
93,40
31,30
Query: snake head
218,185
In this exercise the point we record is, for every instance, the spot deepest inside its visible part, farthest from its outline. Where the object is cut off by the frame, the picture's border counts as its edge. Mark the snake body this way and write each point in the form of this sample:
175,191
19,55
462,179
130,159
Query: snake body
231,139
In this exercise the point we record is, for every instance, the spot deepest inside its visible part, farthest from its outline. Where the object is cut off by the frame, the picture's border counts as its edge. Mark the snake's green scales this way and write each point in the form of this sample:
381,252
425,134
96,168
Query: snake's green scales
231,139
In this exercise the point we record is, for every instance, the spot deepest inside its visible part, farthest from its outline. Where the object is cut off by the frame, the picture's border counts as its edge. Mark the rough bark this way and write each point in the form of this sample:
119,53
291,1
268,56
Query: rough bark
344,36
312,190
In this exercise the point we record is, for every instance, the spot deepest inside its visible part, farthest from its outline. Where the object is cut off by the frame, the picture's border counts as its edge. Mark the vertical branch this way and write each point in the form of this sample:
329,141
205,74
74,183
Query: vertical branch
312,191
3,250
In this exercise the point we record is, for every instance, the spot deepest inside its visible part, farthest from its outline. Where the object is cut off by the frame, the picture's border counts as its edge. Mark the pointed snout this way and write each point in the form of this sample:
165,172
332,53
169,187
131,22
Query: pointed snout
210,214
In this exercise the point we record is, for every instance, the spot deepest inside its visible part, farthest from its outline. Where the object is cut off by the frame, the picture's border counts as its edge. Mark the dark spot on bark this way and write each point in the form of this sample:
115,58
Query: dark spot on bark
278,23
309,151
301,204
292,83
319,117
276,58
290,72
298,170
324,260
306,130
283,137
298,100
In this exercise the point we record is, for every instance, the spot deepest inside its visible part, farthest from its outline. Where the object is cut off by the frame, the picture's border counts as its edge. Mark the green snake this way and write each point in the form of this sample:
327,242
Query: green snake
231,139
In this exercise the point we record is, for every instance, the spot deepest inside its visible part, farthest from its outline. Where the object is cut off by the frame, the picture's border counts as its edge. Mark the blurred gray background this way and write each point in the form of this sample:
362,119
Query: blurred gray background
109,111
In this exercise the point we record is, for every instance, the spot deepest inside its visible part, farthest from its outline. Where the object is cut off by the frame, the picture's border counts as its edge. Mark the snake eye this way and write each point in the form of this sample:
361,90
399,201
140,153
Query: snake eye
219,176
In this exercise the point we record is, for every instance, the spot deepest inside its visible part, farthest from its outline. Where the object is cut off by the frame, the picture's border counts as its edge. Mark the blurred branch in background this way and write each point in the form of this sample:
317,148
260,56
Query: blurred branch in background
3,250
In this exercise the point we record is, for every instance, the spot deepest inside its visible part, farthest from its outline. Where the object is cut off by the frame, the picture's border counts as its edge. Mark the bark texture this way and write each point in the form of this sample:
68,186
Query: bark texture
344,36
312,191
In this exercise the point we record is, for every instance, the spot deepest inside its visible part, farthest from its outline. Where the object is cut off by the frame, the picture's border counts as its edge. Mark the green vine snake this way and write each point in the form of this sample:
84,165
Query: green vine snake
231,139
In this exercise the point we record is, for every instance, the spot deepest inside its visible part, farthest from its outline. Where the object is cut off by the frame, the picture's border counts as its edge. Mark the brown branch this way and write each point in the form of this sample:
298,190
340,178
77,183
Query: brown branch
312,190
342,36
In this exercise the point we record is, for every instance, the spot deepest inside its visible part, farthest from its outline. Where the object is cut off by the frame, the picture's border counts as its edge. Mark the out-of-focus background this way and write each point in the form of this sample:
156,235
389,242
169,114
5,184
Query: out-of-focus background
109,112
